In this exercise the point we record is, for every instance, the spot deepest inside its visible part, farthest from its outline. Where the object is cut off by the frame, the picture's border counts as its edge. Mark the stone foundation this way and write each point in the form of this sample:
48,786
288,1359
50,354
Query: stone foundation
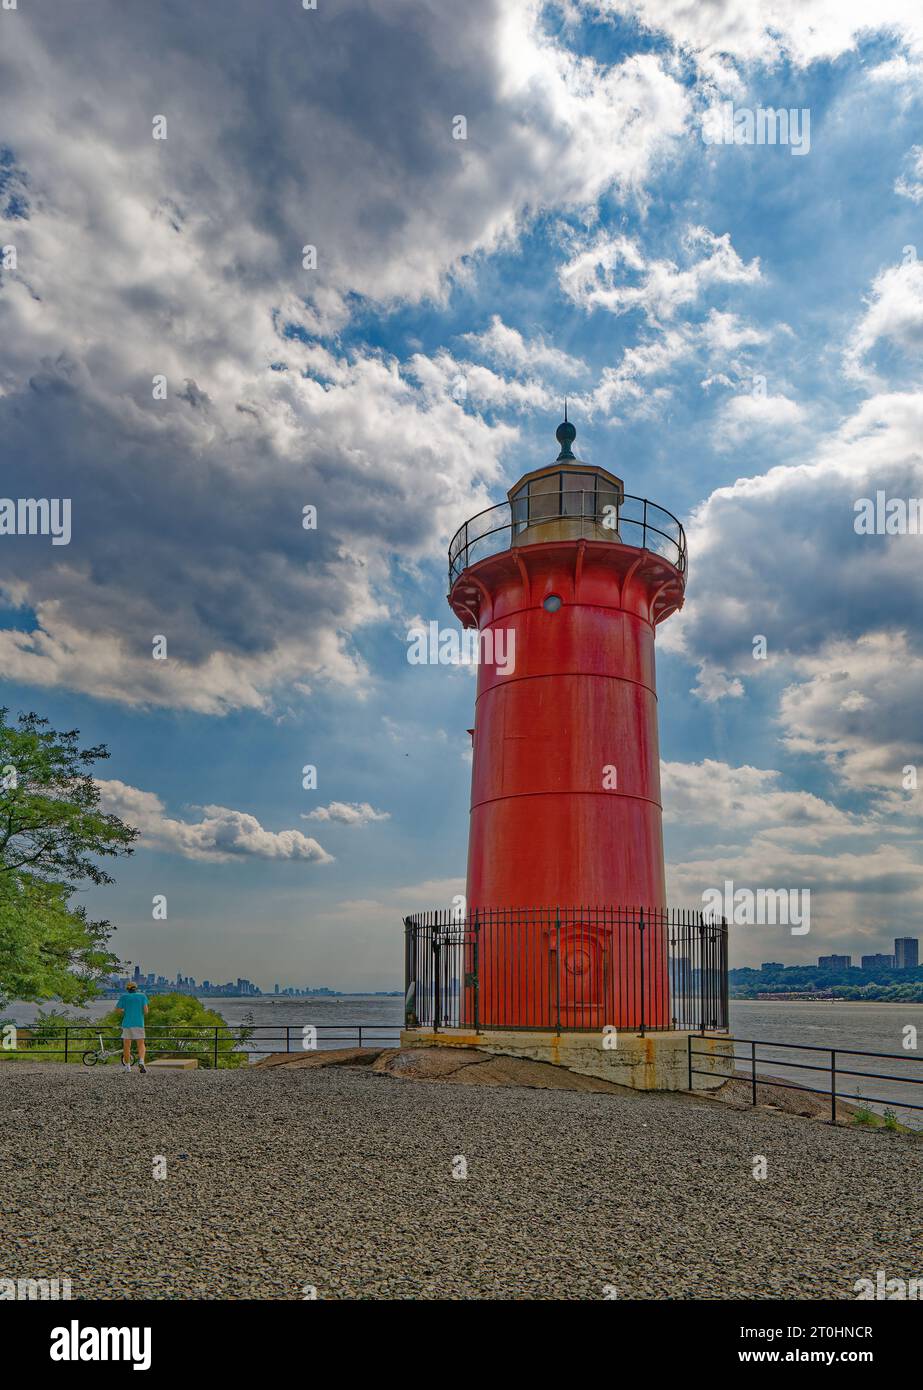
654,1062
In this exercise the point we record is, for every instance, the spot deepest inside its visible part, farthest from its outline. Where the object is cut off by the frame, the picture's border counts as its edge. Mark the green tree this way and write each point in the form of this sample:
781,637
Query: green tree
189,1028
48,950
52,833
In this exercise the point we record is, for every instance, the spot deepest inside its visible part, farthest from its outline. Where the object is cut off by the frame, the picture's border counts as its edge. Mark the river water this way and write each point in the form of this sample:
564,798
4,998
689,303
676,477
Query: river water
866,1027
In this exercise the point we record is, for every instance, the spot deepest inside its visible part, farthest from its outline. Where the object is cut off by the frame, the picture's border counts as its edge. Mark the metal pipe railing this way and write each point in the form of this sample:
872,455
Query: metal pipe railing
834,1070
466,549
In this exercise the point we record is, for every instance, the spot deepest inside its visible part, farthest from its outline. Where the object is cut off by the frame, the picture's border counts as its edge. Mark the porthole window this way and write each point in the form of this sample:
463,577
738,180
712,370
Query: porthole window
552,603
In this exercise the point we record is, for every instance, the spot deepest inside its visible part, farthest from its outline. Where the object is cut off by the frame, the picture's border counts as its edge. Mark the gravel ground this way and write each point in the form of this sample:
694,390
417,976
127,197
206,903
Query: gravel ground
342,1179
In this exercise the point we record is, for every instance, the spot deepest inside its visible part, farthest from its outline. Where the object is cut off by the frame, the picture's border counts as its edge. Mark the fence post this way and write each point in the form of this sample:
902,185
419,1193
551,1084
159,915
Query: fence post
832,1086
360,1034
437,993
409,970
701,926
557,969
753,1072
65,1043
689,1053
216,1049
641,932
477,975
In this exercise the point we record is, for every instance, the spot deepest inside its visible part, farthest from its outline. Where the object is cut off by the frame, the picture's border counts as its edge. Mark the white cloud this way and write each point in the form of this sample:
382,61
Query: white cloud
612,273
857,705
894,314
187,512
507,345
777,554
712,686
354,813
799,31
727,333
221,835
741,800
739,824
444,377
744,415
910,183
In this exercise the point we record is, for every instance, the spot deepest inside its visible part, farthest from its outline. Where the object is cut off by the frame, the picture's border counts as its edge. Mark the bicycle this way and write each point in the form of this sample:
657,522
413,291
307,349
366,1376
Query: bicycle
95,1054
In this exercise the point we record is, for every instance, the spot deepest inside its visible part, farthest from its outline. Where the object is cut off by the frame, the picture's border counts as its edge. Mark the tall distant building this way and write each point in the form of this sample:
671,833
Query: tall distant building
834,962
878,962
906,952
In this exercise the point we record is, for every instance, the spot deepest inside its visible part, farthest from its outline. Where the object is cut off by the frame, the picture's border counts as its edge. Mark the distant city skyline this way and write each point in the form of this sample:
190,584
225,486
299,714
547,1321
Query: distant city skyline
906,956
241,987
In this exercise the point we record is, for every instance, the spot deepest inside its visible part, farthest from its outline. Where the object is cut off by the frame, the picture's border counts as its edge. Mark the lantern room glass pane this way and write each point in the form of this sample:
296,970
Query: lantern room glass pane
579,495
519,510
607,506
545,497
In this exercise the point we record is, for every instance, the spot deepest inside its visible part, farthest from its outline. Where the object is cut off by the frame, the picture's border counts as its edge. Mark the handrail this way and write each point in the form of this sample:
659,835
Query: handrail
674,538
72,1040
833,1070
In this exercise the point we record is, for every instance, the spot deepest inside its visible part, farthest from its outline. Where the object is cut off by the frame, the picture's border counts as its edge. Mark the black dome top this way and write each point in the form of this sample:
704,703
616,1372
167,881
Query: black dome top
565,434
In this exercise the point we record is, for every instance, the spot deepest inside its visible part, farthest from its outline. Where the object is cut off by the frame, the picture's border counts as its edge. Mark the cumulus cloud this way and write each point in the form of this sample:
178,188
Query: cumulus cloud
613,273
910,183
741,800
893,315
719,343
745,415
445,377
778,554
799,31
507,345
354,813
183,259
713,685
743,825
220,835
856,704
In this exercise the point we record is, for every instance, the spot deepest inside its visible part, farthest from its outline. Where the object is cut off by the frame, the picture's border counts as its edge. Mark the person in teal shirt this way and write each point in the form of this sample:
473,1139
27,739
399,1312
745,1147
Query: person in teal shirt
133,1007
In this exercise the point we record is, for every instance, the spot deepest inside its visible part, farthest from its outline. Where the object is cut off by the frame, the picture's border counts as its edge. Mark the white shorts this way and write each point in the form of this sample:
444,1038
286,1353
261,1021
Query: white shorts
132,1033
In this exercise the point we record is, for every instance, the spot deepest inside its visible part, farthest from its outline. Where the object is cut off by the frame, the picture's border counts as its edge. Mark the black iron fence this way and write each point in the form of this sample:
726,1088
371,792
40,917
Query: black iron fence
566,969
211,1046
839,1071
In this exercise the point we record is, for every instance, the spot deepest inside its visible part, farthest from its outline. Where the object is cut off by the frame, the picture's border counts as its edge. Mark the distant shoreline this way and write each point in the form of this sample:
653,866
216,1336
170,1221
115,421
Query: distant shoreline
281,998
826,999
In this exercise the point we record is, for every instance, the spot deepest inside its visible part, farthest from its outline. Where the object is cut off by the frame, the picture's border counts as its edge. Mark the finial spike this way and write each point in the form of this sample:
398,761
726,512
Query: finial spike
565,435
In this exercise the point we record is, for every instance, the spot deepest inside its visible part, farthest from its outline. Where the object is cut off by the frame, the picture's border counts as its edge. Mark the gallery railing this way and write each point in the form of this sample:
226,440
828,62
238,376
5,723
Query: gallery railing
566,969
629,520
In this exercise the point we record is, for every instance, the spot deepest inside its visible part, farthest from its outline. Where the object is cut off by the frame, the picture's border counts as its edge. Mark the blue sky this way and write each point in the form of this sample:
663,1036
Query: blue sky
739,330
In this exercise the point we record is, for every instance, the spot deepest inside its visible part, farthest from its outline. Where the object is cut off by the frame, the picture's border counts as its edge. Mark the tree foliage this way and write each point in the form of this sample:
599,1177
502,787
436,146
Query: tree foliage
52,833
51,825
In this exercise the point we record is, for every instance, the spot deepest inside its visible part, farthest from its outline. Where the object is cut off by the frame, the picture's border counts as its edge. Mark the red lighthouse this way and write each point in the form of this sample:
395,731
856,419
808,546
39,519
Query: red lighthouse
567,582
566,951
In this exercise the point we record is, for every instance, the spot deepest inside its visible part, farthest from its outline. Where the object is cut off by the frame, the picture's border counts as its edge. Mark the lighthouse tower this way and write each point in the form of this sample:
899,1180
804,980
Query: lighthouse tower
565,797
566,935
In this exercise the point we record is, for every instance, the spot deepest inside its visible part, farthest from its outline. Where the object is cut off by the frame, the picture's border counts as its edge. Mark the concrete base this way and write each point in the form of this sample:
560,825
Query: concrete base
654,1062
175,1063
